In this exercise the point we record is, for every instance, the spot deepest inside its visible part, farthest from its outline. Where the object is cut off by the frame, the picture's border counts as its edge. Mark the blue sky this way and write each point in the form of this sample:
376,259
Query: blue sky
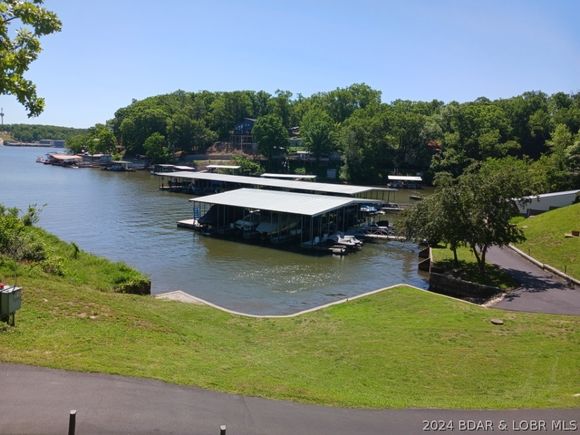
110,52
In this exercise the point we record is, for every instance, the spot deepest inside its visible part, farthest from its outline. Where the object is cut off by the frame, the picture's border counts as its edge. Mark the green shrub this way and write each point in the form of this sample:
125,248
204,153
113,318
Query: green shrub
53,265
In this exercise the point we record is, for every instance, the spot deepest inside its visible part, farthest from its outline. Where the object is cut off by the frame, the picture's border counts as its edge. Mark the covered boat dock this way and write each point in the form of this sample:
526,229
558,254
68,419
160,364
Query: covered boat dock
405,181
221,168
276,217
203,183
290,176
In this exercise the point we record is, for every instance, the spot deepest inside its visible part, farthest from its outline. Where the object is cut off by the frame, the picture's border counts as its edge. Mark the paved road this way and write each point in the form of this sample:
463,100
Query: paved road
37,401
540,290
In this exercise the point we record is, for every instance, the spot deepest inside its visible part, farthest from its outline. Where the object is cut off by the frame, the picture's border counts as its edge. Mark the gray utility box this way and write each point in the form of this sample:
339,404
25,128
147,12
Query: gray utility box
10,301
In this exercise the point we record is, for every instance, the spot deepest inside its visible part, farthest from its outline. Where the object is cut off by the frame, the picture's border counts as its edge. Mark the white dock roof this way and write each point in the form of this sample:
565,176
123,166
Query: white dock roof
274,200
223,167
404,178
339,189
289,176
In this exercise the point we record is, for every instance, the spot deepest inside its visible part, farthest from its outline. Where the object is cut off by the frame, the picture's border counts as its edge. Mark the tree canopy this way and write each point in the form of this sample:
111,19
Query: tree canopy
373,138
22,23
270,134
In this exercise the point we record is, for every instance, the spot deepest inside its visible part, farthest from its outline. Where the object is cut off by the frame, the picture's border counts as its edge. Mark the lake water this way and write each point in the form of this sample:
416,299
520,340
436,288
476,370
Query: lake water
124,216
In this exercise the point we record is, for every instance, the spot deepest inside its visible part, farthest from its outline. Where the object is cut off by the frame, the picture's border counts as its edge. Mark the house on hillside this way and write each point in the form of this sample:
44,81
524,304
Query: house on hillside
242,138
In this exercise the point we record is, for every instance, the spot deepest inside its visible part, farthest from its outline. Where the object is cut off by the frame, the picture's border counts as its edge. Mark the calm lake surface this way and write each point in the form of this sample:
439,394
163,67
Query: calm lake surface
124,216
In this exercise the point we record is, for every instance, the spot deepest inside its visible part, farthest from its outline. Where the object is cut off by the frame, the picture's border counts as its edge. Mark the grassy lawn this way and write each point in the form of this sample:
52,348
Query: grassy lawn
546,241
468,269
400,348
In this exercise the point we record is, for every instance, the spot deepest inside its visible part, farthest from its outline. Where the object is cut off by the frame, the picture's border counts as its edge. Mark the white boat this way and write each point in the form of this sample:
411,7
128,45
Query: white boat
345,240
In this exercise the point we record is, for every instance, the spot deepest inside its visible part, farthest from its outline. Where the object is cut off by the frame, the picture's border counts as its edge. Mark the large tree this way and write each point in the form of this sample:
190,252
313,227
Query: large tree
20,46
317,131
474,210
156,149
269,133
490,197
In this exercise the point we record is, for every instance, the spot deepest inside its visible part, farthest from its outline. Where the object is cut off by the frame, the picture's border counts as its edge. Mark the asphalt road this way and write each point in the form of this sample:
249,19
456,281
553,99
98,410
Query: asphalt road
37,400
540,291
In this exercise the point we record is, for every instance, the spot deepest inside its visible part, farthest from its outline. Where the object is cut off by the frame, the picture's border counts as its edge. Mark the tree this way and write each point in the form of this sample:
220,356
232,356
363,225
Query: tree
102,139
367,144
247,166
202,137
282,107
138,126
317,131
156,149
490,197
77,143
561,140
180,131
269,133
20,47
474,209
440,217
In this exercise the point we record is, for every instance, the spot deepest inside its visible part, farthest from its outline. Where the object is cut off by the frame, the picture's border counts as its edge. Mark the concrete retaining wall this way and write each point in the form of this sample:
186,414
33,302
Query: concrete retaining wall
451,286
425,265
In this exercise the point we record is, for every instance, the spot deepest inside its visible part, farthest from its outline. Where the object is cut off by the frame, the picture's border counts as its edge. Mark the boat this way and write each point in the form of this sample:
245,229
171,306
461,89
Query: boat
416,197
368,208
391,206
349,241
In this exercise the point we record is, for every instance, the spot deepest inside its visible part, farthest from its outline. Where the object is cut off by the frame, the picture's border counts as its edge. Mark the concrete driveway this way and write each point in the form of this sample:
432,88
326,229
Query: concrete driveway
37,400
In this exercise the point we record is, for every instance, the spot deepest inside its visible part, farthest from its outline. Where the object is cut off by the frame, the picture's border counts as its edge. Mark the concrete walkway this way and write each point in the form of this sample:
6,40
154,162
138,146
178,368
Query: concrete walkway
36,400
540,291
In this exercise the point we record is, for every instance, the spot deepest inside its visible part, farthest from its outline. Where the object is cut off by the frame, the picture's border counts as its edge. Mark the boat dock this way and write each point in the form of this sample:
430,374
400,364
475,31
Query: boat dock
315,223
204,183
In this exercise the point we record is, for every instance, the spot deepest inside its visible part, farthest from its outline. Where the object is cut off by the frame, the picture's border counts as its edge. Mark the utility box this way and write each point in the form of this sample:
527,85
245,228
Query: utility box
10,302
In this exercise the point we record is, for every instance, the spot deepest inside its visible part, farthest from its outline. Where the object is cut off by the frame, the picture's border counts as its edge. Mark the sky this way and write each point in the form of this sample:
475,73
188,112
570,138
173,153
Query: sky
110,52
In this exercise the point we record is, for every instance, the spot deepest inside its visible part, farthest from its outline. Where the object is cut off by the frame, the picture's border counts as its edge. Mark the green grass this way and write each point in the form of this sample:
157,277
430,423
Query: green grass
546,241
79,267
399,348
468,269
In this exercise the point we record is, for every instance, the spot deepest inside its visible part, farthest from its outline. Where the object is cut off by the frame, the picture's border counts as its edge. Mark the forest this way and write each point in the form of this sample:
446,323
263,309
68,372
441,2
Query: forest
373,138
35,132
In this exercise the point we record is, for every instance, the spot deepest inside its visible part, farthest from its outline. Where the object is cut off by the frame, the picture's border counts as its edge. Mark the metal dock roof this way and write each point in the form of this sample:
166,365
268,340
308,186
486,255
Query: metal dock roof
223,167
274,200
404,178
289,176
340,189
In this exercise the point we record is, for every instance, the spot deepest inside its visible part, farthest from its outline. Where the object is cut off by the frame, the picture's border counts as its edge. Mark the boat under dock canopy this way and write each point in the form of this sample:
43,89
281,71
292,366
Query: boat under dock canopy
307,220
283,202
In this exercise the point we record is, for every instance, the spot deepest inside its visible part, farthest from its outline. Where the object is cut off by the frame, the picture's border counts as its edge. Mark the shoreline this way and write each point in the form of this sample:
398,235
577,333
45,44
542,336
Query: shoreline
183,297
